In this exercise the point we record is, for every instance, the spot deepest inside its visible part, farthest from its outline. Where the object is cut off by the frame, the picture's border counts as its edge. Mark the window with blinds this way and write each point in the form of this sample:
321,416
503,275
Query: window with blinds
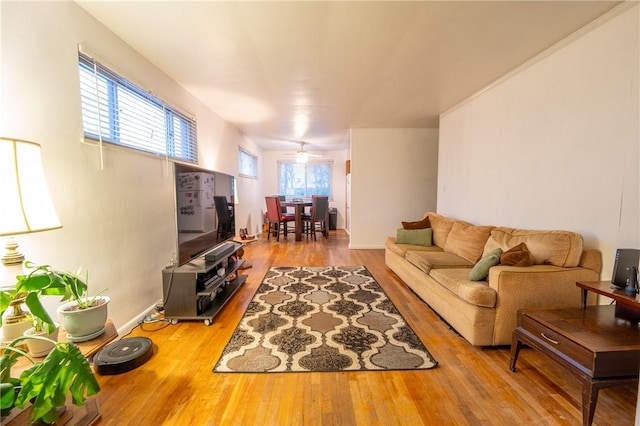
302,180
247,164
116,111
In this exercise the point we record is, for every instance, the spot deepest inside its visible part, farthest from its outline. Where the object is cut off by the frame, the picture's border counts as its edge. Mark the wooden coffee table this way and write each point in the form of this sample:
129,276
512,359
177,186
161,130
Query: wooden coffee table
596,345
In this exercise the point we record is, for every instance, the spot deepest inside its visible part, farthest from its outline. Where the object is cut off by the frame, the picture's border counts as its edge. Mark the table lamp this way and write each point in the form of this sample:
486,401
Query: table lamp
26,207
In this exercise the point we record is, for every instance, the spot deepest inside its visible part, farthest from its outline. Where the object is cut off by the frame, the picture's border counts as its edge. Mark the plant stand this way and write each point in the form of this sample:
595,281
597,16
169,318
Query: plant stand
73,416
86,415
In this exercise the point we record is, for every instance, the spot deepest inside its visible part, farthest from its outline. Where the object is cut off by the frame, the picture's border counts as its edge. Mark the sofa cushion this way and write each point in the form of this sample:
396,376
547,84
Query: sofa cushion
517,256
559,248
421,237
475,292
428,260
467,240
441,227
480,270
419,224
401,249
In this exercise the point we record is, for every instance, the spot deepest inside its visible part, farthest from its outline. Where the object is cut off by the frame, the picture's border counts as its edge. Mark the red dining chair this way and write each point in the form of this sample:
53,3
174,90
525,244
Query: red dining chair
276,219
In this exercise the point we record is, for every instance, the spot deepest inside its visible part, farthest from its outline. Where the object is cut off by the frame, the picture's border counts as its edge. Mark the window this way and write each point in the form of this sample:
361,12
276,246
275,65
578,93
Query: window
117,111
302,180
247,164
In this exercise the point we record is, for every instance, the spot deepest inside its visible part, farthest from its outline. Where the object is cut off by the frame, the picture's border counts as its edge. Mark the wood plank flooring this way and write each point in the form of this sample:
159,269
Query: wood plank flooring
470,386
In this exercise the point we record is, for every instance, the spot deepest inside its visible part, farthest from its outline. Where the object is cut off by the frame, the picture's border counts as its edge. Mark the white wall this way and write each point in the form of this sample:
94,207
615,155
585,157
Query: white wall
339,158
555,145
249,213
393,179
118,223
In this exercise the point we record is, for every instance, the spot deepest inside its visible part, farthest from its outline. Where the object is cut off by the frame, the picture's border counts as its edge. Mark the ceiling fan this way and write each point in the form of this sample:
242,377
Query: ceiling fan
302,156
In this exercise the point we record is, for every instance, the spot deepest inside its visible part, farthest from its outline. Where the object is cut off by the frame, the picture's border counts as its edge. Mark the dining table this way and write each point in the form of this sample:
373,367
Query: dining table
299,209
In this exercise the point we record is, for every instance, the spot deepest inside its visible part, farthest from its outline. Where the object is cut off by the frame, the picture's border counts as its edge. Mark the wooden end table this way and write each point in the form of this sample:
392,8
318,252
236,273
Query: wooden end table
86,415
88,348
599,345
626,306
91,347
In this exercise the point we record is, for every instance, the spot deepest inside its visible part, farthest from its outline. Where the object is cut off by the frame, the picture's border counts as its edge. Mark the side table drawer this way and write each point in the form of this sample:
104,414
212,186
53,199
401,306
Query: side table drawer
559,343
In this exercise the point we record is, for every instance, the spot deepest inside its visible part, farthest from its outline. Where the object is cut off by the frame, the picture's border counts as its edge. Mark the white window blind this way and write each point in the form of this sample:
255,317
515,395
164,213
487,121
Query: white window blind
247,164
116,111
302,180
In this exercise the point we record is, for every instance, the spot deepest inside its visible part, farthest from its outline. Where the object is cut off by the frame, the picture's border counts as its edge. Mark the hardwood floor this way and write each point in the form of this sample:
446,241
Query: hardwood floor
470,386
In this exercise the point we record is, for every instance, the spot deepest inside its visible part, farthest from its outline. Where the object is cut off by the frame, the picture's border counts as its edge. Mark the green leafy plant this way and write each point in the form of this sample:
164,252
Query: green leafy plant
40,281
45,384
75,288
40,326
43,280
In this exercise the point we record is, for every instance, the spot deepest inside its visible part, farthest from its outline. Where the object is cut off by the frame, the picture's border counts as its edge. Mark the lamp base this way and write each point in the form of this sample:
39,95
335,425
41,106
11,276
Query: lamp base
12,256
14,330
15,322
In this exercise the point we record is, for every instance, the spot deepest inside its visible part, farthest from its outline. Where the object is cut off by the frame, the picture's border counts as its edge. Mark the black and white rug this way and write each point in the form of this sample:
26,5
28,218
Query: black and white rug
325,318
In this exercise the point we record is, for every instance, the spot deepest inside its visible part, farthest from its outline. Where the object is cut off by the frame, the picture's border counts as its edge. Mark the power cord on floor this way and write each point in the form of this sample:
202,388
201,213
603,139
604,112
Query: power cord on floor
156,315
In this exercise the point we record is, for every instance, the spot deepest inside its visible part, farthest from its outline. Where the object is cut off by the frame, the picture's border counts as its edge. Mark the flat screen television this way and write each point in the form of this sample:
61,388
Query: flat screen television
196,218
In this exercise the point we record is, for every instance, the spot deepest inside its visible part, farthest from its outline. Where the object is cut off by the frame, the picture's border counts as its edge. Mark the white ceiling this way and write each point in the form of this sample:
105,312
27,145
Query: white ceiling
310,71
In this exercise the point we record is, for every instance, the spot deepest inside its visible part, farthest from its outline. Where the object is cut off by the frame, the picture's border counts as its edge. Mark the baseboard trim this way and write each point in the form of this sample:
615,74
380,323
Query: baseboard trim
366,247
134,322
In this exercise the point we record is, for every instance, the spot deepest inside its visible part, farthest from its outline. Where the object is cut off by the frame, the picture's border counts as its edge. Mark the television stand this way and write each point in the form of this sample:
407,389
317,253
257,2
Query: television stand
200,288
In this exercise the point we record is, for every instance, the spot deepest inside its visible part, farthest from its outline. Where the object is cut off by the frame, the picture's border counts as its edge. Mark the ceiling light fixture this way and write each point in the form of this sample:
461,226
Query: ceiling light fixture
302,157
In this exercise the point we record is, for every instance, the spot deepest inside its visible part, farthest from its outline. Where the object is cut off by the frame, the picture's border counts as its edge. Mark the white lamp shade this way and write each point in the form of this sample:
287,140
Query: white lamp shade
24,196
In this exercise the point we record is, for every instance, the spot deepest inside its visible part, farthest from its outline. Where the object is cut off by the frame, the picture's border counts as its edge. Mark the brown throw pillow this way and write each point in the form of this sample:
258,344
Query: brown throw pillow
517,256
420,224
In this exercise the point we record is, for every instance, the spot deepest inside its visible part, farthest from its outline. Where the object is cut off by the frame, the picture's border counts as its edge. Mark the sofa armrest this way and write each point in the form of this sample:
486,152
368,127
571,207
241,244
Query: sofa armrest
592,259
533,286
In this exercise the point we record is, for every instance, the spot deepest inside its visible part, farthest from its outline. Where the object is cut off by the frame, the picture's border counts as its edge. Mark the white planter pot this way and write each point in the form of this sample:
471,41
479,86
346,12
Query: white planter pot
83,324
40,348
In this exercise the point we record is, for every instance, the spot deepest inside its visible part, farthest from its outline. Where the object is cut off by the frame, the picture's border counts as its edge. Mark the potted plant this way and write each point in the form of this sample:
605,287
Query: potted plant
45,384
83,316
29,289
40,347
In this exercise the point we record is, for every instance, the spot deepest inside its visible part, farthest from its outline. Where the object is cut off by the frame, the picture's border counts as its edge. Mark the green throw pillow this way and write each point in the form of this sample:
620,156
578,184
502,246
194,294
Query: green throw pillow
420,237
481,269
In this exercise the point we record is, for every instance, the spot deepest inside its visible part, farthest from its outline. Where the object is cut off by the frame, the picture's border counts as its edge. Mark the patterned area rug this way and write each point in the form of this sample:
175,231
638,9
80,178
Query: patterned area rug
322,319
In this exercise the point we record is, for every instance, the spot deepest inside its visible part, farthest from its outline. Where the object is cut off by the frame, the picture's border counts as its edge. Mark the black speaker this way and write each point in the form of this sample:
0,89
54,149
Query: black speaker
123,355
625,259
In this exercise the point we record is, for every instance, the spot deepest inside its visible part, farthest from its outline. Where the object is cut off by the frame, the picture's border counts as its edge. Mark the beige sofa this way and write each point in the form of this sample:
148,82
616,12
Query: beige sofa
485,312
